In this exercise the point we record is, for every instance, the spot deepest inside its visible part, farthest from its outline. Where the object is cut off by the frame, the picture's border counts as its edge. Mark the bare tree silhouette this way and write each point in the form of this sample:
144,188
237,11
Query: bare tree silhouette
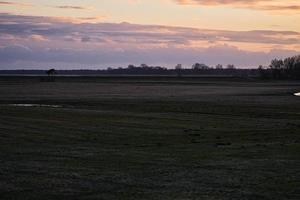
178,69
51,75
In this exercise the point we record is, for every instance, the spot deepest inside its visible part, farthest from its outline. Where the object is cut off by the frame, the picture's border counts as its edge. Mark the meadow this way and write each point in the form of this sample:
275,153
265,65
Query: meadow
149,138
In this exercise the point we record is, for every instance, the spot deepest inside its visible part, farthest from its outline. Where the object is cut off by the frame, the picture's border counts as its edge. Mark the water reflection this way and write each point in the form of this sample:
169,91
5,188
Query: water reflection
35,105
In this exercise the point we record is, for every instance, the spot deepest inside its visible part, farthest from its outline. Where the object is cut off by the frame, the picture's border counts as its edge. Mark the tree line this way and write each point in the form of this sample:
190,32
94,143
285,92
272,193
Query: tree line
288,68
196,69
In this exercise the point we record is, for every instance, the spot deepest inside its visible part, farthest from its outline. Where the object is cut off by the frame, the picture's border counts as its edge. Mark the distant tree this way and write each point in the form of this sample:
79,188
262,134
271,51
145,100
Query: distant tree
262,72
51,72
51,75
219,66
144,66
230,66
198,66
276,67
178,69
131,67
289,68
296,67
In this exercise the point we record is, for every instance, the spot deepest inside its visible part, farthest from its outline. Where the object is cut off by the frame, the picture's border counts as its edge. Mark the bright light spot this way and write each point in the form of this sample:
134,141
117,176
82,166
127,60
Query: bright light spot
297,94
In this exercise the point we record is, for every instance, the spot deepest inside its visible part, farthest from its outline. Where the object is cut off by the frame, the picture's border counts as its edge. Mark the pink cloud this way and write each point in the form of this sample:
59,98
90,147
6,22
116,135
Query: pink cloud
59,40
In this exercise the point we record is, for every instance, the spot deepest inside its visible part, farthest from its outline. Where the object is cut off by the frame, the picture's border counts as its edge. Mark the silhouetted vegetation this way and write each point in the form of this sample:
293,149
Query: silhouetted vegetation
51,76
288,68
179,70
51,72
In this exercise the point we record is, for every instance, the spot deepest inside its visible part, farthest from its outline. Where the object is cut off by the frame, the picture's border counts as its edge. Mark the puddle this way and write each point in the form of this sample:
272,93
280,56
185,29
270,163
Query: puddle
35,105
297,94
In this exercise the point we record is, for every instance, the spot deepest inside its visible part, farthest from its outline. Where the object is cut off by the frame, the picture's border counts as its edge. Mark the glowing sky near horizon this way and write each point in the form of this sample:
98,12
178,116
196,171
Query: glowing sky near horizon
102,33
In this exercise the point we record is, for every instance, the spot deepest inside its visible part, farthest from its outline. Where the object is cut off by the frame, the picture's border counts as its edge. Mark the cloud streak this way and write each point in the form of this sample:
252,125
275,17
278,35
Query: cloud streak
73,7
8,3
66,7
266,5
57,28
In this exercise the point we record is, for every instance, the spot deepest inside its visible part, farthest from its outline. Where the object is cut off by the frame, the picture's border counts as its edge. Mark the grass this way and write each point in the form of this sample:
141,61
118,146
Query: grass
150,138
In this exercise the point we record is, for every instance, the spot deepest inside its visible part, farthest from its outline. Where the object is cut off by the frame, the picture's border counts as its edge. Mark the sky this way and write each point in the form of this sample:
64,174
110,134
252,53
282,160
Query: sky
96,34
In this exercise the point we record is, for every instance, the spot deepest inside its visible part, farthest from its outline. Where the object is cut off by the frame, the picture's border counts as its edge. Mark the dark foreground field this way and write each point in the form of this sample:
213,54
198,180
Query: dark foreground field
149,138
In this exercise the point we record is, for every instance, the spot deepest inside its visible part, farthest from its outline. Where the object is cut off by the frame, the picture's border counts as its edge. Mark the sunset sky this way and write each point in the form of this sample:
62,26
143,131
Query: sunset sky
65,34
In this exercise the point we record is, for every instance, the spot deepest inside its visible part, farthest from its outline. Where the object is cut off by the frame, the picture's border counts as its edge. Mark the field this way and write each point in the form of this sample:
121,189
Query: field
149,138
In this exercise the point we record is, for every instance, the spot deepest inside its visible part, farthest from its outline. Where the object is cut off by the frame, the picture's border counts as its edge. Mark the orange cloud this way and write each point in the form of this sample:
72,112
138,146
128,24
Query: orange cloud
73,7
38,38
78,20
267,5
